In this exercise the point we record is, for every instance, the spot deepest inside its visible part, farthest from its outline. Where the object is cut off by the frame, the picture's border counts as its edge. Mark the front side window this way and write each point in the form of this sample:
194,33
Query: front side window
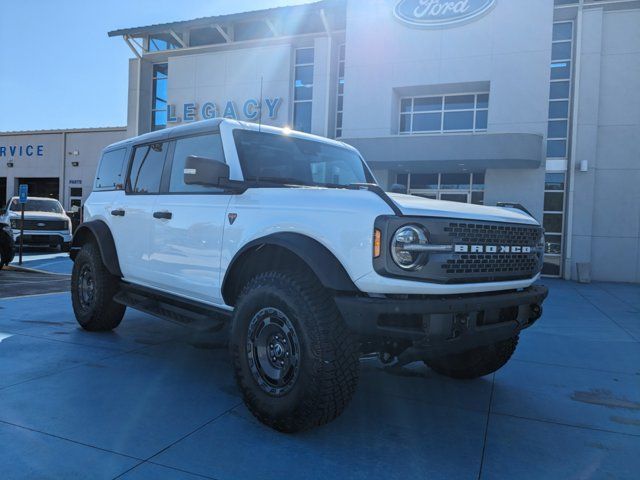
146,169
444,113
109,174
287,160
206,146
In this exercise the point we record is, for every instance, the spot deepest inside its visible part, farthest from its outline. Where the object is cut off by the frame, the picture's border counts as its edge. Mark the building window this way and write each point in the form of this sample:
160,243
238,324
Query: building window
444,113
455,187
159,105
162,41
340,95
553,221
303,89
557,145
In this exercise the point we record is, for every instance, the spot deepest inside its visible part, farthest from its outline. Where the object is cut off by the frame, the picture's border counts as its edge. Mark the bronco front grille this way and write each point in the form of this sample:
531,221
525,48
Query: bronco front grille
478,267
490,263
493,234
480,251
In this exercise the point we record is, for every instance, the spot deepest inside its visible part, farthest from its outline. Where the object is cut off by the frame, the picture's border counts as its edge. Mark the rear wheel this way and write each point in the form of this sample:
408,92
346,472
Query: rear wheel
295,361
475,363
92,291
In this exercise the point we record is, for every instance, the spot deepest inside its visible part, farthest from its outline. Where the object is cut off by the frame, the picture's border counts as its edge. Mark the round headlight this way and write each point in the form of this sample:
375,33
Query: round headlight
403,245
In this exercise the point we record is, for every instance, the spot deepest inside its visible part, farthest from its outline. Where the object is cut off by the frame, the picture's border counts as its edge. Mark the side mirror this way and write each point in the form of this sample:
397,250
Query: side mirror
205,171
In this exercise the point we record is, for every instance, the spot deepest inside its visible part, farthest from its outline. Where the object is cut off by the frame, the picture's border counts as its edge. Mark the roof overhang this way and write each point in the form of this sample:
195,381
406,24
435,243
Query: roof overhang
451,152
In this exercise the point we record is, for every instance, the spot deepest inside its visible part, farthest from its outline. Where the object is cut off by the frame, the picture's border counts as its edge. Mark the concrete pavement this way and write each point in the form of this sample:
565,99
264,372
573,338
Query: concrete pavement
154,400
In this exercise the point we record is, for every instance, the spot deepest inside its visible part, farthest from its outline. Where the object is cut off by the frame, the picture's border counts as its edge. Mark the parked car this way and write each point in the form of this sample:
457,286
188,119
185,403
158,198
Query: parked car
288,237
7,245
45,222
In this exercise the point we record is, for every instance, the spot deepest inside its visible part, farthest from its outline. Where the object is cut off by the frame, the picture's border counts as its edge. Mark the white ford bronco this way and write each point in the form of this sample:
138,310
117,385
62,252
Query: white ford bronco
287,237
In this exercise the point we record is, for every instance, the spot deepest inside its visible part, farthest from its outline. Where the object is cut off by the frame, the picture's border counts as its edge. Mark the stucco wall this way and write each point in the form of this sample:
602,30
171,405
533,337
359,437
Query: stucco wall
606,219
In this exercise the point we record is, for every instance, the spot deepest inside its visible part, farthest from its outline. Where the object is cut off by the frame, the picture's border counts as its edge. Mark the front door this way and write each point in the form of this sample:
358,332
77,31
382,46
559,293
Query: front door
187,234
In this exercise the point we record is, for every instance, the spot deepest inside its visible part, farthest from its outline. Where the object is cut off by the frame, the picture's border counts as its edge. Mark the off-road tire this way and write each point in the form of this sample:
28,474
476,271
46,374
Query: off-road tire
329,353
475,363
101,313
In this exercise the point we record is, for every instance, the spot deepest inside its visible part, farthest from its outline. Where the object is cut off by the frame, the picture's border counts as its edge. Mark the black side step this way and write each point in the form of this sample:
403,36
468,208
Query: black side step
173,308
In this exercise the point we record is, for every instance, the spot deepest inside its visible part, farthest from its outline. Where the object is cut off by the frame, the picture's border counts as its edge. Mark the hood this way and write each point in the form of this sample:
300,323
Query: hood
425,207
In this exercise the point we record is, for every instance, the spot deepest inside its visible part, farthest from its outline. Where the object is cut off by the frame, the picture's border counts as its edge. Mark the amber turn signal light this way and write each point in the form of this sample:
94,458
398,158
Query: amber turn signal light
376,243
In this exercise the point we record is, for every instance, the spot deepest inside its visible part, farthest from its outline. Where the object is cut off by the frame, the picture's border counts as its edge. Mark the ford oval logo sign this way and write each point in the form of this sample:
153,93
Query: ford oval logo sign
440,13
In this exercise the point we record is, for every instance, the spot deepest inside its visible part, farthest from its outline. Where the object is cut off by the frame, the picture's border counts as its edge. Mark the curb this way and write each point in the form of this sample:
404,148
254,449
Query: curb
19,268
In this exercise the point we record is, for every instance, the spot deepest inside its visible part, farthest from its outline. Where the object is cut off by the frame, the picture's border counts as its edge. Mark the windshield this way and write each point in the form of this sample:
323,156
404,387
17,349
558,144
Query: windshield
267,157
39,205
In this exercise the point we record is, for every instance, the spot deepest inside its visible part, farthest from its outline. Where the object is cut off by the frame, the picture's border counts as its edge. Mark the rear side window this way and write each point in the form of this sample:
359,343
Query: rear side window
207,146
146,169
109,176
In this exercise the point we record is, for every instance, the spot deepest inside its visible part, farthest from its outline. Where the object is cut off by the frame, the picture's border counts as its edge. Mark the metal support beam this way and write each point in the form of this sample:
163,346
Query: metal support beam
325,22
224,34
271,26
178,39
127,39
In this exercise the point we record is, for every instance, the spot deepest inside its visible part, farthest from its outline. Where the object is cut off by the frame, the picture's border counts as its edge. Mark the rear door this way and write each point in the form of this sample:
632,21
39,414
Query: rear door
134,217
187,235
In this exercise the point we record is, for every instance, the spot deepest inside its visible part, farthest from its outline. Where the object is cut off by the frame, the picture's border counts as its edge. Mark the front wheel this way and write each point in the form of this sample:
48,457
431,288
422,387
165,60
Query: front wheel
92,291
295,361
475,363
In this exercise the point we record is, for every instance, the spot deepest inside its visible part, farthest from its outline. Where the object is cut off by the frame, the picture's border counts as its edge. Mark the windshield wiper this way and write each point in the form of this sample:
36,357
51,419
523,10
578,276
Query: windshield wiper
287,181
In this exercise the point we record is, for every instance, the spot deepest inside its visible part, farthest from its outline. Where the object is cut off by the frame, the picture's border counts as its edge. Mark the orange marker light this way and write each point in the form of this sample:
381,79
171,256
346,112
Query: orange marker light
376,243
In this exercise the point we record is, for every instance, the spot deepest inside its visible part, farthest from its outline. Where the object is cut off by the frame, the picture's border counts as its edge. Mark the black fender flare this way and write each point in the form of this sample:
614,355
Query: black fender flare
316,256
98,230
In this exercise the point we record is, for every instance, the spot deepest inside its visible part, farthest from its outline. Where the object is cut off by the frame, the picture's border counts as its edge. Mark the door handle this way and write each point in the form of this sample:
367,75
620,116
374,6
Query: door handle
163,215
118,212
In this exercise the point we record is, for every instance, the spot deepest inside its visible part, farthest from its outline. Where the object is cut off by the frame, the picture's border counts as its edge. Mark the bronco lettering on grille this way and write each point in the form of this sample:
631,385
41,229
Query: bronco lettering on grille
492,249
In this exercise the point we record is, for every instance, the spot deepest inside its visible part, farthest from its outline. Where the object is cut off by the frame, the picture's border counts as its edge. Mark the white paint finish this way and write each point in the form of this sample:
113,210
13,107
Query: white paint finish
189,254
413,205
185,250
131,233
374,283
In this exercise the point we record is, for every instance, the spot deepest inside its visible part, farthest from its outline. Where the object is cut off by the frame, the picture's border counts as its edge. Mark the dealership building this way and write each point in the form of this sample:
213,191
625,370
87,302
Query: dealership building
480,101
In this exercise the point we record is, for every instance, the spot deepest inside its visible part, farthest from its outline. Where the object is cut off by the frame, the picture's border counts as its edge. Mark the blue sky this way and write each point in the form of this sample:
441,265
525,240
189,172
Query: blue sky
58,68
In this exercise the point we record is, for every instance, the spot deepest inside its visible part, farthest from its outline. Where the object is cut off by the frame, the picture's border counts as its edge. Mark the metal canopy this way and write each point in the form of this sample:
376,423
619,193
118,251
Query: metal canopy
451,152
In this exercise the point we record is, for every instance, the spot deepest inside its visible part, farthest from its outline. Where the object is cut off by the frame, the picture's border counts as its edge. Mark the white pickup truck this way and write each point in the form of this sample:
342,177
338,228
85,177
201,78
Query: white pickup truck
288,237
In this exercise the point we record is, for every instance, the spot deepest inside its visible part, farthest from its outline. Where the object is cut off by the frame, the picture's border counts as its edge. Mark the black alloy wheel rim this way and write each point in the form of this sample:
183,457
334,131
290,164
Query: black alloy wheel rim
273,351
86,287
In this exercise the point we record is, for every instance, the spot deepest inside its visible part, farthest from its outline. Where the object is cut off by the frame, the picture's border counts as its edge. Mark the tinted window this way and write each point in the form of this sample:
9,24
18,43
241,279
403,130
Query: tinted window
289,160
146,169
109,174
207,146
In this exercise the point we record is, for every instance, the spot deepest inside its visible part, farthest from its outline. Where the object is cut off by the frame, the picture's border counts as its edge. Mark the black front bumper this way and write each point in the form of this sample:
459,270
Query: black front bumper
445,324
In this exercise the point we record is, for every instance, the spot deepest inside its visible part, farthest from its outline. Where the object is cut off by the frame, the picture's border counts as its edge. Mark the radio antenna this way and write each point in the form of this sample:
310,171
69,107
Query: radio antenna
260,107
